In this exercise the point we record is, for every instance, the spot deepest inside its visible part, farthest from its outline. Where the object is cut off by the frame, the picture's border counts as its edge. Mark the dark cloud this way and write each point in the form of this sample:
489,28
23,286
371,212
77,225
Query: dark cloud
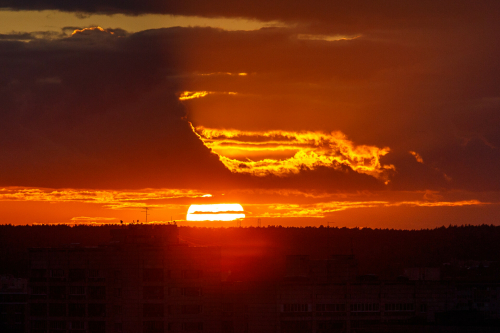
17,36
95,111
343,15
100,109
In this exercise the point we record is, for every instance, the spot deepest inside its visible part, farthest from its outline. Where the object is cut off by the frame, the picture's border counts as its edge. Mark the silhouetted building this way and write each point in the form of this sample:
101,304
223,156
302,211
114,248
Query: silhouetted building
324,296
13,302
145,281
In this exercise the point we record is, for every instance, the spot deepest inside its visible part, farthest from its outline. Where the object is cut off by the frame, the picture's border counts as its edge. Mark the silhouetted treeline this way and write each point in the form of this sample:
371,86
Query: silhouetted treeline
257,253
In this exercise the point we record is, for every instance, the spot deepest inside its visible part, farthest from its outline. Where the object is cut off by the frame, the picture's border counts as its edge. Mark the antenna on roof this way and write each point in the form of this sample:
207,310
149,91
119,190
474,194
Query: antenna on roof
145,211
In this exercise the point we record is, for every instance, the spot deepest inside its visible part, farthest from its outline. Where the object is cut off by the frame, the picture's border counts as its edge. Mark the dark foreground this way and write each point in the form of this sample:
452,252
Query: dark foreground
164,278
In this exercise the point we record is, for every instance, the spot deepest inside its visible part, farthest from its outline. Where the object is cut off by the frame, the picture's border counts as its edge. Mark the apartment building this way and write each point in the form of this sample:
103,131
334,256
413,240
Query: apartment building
143,281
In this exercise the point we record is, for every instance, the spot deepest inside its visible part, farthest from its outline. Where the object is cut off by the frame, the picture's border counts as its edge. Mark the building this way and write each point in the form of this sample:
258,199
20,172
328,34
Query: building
146,281
13,301
143,281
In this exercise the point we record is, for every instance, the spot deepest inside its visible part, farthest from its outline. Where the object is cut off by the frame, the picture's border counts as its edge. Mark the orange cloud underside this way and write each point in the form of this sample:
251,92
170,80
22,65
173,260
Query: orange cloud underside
185,95
77,31
308,149
321,210
109,199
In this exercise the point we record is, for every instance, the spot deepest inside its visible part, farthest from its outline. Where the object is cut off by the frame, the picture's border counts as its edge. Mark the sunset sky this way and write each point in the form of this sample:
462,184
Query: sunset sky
381,114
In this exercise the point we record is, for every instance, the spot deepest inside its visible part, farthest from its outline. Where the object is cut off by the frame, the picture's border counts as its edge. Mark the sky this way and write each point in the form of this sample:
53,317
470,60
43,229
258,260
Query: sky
380,114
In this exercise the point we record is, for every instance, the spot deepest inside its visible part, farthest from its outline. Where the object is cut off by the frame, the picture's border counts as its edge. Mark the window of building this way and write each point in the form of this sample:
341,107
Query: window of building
117,292
38,273
97,327
97,292
117,276
194,326
329,326
423,307
295,307
57,325
227,326
77,290
118,327
97,310
191,309
152,275
174,309
57,273
94,273
76,275
399,307
296,326
39,324
18,308
174,291
18,318
117,310
57,292
38,309
365,307
330,307
153,292
76,309
153,327
38,290
192,274
153,310
57,310
191,291
77,325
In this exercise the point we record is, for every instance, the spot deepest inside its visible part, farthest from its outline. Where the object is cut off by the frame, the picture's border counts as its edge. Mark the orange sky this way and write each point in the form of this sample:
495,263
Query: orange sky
314,112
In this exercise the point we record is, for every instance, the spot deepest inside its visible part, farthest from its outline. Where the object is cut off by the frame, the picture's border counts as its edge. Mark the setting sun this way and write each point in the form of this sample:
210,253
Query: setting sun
215,212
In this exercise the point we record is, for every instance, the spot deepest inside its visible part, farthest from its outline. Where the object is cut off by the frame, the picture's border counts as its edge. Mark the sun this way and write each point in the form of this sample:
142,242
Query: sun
215,212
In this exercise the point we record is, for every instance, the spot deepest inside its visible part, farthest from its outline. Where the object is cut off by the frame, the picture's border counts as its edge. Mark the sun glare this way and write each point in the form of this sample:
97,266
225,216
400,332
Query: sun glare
215,212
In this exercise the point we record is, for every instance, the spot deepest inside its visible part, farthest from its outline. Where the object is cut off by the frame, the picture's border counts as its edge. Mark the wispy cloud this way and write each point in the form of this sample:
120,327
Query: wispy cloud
417,157
320,210
113,199
199,94
92,219
327,38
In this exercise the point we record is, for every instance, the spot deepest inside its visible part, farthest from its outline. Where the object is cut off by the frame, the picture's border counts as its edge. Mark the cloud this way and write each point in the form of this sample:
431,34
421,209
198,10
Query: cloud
342,15
87,111
186,95
106,108
87,219
107,198
322,210
309,149
418,158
